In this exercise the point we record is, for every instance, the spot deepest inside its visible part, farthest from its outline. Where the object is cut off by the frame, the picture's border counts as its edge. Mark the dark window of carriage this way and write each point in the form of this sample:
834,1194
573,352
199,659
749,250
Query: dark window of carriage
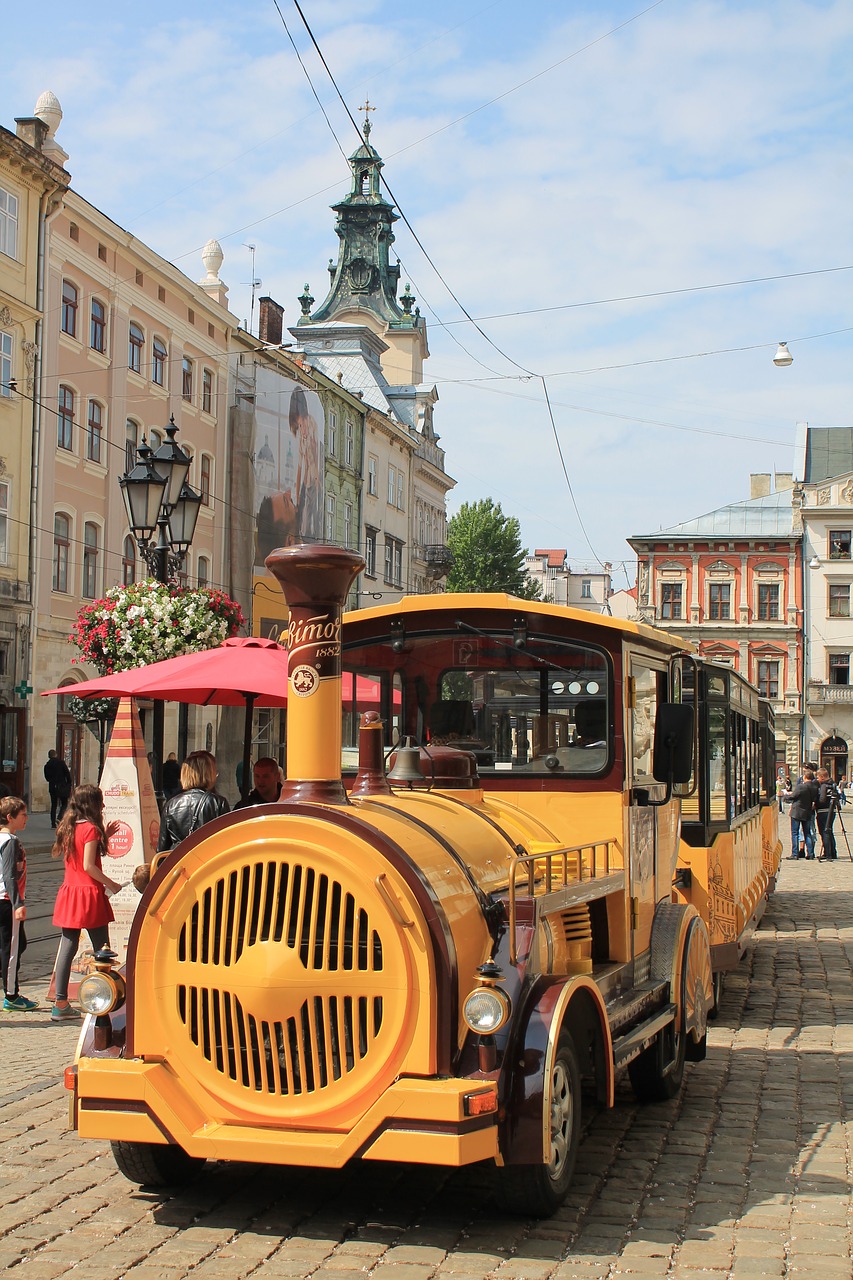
839,544
719,601
670,600
768,601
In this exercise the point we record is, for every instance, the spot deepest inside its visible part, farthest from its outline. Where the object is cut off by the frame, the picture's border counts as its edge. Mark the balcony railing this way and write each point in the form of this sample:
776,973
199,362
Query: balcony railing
438,560
830,692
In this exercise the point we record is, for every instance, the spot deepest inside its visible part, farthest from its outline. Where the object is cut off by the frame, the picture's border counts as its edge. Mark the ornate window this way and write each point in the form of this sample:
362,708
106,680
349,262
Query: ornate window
65,422
768,678
768,601
719,601
135,343
61,548
98,326
94,431
671,600
70,301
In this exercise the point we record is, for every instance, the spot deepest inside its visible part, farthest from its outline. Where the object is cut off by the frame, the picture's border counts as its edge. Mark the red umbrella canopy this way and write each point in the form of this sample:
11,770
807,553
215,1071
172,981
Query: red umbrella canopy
242,667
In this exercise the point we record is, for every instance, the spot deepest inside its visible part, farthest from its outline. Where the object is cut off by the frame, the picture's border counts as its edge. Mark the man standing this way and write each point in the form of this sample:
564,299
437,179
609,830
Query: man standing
803,799
266,776
827,801
57,775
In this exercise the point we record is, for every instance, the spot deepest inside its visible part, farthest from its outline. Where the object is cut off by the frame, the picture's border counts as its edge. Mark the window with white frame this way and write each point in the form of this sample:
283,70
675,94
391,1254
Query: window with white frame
586,588
372,475
131,440
400,503
839,600
203,571
187,379
839,541
8,223
392,485
393,562
330,518
768,601
91,555
349,442
4,522
370,552
135,343
347,524
332,435
839,668
5,364
719,601
671,600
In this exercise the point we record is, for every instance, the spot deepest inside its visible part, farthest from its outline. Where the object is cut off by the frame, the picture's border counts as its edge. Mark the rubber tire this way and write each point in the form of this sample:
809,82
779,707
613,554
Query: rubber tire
647,1071
151,1164
533,1190
714,1010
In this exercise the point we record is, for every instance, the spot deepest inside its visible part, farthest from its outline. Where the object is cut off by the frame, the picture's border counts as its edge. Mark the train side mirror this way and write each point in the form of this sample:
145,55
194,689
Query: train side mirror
673,749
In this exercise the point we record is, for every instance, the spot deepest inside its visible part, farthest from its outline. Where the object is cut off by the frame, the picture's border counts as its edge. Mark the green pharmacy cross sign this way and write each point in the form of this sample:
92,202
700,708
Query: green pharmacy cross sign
23,690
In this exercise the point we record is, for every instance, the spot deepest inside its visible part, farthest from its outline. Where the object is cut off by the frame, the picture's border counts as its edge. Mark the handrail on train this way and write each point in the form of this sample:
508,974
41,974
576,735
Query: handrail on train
553,871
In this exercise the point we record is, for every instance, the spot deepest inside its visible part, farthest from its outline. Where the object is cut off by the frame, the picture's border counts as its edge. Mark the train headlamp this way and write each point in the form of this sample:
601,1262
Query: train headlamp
102,992
485,1010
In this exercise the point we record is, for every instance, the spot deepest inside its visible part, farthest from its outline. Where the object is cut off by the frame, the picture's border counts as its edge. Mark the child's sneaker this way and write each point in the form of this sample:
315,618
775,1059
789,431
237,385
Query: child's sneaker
66,1014
19,1004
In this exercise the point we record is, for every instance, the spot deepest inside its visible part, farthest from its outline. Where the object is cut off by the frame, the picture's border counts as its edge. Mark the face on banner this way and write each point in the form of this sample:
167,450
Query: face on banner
288,464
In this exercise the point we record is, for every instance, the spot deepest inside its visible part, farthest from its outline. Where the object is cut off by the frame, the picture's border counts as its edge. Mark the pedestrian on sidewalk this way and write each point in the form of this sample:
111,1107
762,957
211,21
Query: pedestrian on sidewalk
57,775
825,810
13,907
803,799
81,839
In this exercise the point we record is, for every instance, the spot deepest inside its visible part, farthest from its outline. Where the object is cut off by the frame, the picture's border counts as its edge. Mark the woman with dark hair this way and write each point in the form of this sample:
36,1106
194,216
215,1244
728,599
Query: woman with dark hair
81,839
197,803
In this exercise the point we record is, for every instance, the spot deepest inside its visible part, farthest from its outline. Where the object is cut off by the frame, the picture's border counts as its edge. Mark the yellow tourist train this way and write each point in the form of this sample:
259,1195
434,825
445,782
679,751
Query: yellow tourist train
442,954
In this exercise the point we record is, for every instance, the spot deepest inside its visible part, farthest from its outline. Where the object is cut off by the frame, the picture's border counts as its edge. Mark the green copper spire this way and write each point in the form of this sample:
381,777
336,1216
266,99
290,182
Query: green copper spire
363,278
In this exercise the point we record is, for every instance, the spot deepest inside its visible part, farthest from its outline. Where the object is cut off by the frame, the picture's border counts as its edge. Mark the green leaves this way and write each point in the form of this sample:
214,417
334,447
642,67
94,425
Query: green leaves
487,552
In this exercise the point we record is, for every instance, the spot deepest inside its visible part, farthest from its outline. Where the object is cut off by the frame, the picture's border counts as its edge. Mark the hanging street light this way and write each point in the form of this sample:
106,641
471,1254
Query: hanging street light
158,497
783,356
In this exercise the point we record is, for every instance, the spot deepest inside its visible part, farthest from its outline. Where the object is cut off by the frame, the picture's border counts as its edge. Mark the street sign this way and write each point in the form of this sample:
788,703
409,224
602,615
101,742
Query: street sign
23,690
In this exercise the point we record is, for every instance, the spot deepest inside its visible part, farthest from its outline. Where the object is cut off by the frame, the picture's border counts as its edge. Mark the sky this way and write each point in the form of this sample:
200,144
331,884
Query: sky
591,182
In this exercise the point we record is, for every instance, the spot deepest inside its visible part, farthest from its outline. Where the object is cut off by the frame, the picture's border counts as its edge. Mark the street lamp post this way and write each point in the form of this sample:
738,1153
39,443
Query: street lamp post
159,499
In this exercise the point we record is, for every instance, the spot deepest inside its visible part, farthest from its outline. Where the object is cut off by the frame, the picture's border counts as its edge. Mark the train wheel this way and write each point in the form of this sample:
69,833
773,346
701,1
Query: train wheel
697,981
714,1010
151,1164
538,1190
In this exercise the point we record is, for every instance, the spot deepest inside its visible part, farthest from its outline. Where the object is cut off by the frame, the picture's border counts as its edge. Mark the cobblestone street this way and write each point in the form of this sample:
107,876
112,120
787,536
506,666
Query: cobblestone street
747,1173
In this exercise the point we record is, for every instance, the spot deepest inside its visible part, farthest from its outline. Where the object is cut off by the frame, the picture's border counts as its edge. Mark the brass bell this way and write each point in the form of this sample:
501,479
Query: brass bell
407,766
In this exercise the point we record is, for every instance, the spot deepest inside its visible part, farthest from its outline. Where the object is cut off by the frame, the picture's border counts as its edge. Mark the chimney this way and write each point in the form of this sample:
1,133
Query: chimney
784,481
32,130
759,485
315,581
270,321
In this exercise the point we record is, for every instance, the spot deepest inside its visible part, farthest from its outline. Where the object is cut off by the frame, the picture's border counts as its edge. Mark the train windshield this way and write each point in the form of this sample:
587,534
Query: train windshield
519,704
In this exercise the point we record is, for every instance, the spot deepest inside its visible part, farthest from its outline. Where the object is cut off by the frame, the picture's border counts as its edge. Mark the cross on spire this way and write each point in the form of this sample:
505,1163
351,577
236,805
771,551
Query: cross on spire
365,108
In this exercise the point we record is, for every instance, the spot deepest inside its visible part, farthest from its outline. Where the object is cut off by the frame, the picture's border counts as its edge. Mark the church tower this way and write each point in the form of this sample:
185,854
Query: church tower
364,282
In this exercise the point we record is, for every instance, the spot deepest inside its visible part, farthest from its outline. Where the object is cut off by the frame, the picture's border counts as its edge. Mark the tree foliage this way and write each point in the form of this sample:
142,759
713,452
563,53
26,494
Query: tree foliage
487,552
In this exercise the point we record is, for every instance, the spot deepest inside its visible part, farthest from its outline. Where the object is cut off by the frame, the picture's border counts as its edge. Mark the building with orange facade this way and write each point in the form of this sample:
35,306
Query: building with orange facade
731,582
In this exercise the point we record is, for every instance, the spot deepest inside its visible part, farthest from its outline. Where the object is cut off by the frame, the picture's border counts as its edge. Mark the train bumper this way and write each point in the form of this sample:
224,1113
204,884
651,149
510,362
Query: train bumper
450,1122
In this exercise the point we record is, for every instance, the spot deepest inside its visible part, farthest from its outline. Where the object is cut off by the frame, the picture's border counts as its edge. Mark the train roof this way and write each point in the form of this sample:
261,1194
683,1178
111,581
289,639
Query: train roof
455,603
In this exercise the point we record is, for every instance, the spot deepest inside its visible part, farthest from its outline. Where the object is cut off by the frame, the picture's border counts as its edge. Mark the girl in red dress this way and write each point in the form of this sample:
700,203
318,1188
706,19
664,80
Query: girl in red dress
81,903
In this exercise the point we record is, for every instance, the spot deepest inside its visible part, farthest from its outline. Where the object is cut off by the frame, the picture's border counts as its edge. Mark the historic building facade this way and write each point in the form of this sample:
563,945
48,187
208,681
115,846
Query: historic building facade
32,182
374,343
587,587
731,582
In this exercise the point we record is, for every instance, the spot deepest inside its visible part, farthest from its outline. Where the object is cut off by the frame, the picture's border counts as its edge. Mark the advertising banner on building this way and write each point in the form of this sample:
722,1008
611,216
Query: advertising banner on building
130,802
288,464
